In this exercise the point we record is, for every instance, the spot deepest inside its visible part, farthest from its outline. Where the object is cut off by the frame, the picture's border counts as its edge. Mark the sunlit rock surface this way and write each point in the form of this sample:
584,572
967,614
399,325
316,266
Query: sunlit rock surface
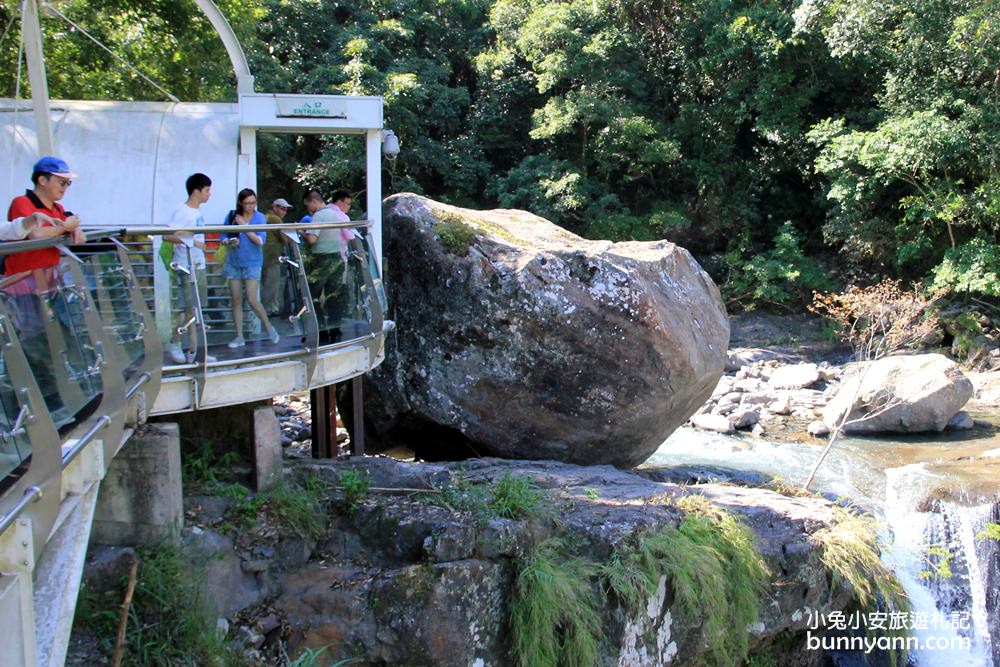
908,394
518,339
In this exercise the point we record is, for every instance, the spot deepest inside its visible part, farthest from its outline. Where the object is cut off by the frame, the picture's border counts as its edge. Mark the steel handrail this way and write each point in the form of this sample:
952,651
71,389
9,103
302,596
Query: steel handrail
143,378
102,422
225,229
10,247
31,494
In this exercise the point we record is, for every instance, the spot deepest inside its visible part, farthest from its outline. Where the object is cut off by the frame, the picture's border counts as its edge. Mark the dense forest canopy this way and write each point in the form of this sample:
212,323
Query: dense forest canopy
788,143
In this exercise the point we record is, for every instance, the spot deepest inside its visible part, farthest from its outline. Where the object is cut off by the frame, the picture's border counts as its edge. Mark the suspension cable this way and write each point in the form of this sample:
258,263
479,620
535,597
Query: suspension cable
135,69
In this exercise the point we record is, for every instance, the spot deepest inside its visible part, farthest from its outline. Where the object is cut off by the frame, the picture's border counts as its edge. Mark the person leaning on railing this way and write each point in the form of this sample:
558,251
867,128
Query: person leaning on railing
18,229
51,178
328,270
33,275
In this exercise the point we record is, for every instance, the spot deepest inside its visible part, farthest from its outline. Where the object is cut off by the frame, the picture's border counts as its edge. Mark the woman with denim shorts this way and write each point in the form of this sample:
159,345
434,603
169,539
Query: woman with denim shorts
244,261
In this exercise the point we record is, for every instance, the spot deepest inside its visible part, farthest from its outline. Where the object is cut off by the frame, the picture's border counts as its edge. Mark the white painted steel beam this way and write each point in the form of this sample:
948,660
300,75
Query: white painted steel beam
57,580
31,30
253,383
373,192
244,79
17,609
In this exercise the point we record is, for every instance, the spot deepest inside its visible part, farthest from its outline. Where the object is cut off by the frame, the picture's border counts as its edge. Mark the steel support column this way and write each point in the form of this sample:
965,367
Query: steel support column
323,406
358,412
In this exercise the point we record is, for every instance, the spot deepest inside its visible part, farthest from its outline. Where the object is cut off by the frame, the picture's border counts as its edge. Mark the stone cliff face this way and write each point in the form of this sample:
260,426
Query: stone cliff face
416,580
493,562
518,339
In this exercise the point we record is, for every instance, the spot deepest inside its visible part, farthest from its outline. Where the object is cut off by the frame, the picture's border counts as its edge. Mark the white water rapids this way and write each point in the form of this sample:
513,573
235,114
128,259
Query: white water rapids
927,491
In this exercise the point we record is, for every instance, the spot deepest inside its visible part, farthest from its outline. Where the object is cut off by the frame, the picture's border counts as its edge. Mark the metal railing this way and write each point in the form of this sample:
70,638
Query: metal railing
86,344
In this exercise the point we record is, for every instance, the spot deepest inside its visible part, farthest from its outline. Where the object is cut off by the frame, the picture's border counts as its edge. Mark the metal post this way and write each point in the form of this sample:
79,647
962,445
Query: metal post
323,406
373,193
357,403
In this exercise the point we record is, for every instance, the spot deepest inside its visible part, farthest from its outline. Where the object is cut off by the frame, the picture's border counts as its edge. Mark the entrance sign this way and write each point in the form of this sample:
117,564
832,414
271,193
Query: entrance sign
310,114
315,107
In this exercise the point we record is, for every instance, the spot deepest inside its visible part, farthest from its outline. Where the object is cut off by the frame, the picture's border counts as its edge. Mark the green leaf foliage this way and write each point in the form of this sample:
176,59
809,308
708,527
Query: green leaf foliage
782,275
972,267
869,125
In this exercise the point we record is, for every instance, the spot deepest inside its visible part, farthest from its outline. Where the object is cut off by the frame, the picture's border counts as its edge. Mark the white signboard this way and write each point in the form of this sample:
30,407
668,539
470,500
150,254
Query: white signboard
306,107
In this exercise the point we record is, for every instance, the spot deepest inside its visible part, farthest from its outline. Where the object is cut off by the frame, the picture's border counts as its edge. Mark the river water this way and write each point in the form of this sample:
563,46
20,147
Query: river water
932,493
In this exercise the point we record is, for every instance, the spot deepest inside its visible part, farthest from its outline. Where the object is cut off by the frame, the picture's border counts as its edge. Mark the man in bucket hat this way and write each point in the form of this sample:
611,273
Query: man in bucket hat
272,285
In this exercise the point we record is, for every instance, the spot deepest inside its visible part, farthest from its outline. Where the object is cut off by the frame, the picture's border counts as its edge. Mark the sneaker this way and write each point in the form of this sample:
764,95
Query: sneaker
176,354
273,335
236,342
208,358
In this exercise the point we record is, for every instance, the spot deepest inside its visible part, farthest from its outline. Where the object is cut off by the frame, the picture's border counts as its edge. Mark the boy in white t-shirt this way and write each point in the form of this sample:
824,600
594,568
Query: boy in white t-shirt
191,245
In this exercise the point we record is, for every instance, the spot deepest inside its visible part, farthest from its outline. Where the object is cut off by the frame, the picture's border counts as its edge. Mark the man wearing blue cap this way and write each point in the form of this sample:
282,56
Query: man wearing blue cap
51,178
25,298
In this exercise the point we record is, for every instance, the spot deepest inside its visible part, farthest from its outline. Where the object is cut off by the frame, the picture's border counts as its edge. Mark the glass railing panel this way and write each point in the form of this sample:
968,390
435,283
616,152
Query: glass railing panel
336,276
142,260
239,324
109,289
15,448
187,287
30,457
375,283
45,309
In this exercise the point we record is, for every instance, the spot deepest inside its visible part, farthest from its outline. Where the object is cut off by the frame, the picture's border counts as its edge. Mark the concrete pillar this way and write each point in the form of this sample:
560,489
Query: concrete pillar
141,500
266,447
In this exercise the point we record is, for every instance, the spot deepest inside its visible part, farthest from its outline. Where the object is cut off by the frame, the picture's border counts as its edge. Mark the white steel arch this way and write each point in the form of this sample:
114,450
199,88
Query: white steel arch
244,78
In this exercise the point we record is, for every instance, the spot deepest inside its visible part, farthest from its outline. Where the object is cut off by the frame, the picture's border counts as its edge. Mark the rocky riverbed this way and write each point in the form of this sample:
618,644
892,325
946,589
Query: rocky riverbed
781,378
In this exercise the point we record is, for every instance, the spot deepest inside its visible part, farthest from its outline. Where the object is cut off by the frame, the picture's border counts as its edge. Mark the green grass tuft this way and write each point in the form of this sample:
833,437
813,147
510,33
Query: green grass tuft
168,622
311,658
204,468
713,568
354,486
299,508
515,497
510,498
554,611
850,552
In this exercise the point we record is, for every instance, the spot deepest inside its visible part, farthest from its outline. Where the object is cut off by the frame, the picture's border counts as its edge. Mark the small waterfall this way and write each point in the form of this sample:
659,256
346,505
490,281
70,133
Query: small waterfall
871,475
925,538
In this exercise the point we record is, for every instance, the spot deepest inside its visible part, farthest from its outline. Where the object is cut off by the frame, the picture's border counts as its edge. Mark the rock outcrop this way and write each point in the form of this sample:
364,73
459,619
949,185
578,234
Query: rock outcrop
907,394
411,580
518,339
427,565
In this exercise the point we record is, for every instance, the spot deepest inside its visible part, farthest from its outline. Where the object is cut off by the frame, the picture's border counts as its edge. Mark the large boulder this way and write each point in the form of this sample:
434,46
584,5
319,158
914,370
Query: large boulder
518,339
907,394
